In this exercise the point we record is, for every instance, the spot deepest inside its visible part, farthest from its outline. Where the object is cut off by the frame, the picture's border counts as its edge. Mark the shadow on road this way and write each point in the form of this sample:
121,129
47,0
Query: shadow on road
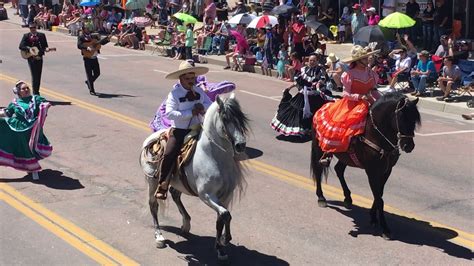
109,96
199,250
294,139
404,229
50,178
57,103
253,153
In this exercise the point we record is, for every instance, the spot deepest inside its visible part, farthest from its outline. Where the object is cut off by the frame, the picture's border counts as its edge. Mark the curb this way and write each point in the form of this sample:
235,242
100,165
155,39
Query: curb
424,103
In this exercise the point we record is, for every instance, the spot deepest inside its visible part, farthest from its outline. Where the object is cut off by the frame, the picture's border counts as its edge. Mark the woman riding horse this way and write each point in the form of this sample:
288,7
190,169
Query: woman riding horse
23,143
336,123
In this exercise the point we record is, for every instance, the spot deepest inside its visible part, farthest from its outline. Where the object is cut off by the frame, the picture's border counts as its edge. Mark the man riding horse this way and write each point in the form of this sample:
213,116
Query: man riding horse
185,104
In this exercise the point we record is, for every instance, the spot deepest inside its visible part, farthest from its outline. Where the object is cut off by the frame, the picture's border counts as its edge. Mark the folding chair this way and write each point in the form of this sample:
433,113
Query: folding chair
467,77
161,45
206,47
403,81
431,85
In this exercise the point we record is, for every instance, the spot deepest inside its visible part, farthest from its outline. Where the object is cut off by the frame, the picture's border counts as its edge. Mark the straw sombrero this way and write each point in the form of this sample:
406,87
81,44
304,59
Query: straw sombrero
358,52
187,67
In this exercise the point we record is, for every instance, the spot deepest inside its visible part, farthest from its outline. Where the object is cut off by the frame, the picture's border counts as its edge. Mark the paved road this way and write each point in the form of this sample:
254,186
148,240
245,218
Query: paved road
90,205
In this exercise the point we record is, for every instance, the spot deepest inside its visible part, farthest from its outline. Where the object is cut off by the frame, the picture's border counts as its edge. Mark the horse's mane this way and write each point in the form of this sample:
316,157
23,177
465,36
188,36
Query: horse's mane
232,113
390,97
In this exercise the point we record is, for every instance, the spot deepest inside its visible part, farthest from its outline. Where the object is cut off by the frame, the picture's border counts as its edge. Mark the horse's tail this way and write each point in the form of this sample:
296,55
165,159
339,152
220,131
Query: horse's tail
316,169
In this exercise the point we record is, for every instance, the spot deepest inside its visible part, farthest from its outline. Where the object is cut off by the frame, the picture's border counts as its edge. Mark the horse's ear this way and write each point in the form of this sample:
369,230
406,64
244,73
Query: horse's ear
232,96
415,101
220,102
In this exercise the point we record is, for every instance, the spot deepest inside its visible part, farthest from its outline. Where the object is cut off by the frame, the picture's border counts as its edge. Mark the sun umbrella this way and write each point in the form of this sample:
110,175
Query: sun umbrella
136,4
397,20
240,39
242,19
185,18
284,10
369,34
318,27
262,21
142,21
89,2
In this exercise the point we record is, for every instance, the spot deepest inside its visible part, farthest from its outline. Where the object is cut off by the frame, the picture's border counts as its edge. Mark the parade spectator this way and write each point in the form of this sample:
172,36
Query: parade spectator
112,20
24,12
372,17
295,67
450,78
388,7
239,9
413,11
443,48
75,24
268,46
210,12
66,13
344,27
207,30
381,68
186,7
259,41
442,20
222,10
402,66
282,61
241,29
240,49
459,51
299,32
220,39
309,47
328,18
189,43
3,12
174,5
358,21
334,71
423,72
427,20
253,9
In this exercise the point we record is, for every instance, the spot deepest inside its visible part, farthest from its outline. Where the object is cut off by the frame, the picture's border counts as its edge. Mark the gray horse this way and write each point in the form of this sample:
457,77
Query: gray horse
213,173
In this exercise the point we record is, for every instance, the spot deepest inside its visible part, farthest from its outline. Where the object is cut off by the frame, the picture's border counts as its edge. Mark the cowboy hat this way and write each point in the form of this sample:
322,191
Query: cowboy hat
357,53
332,58
186,67
371,9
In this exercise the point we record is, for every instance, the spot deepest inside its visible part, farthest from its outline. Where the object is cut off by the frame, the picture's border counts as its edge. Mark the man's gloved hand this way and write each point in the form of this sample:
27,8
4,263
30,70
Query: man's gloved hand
198,109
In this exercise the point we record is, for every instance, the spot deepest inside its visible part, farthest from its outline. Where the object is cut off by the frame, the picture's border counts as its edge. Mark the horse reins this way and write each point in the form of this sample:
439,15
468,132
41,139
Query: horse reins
396,147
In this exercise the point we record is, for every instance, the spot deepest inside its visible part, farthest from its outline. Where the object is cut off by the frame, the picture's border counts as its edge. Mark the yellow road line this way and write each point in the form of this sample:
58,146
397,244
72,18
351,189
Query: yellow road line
58,231
70,227
464,238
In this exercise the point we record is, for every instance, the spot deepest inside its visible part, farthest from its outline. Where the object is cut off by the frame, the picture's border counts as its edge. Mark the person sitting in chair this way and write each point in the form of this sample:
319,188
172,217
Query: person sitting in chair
450,78
185,104
423,72
402,66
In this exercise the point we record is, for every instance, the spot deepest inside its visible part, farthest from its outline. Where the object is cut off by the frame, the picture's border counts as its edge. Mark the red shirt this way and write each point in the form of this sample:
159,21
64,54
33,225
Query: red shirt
299,32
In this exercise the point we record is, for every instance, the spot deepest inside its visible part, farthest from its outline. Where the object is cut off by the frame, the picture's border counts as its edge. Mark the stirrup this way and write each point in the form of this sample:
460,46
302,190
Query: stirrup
325,159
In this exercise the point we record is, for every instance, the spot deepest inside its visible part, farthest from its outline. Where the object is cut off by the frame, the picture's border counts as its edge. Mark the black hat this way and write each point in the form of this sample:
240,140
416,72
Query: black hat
32,25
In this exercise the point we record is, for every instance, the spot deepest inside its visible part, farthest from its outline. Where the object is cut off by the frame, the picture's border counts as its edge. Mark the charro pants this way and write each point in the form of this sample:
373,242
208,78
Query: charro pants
36,67
173,147
92,71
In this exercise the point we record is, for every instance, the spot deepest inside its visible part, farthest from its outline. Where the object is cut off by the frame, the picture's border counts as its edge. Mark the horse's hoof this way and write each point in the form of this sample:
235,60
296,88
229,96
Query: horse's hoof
387,236
348,205
160,244
222,256
322,203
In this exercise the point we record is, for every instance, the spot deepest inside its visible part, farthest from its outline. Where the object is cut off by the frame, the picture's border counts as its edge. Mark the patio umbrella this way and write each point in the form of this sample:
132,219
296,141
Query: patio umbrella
284,10
136,4
397,20
318,27
369,34
185,18
239,38
89,2
142,21
262,21
242,19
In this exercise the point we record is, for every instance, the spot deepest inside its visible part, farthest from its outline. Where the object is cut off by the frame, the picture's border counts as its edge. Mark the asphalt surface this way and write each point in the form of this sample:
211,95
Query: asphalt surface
93,179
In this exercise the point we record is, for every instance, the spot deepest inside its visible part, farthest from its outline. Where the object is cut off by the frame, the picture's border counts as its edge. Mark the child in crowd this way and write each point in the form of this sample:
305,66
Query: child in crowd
282,60
295,67
381,68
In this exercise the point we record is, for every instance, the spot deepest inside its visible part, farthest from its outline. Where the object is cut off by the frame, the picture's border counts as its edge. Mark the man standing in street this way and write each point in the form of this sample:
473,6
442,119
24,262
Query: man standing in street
32,41
358,21
89,44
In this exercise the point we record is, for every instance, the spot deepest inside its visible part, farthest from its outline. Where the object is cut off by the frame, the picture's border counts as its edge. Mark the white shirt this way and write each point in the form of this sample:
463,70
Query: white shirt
402,63
179,109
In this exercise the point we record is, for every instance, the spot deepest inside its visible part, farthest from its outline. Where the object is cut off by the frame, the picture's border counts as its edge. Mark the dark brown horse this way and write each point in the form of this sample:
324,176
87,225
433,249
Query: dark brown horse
390,127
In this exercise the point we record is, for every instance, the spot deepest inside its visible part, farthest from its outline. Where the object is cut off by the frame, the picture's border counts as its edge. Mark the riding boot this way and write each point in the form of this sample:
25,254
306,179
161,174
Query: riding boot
325,159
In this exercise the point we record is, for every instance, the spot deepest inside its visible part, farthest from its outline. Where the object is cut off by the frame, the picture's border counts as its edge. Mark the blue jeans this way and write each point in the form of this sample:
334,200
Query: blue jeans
427,36
419,82
437,33
219,41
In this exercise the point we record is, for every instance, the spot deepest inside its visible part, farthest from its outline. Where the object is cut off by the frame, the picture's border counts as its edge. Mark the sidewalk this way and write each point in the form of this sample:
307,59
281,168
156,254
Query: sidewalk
341,50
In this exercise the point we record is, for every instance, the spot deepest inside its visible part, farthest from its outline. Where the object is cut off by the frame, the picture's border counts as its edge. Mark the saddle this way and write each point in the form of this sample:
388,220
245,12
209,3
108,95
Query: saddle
187,151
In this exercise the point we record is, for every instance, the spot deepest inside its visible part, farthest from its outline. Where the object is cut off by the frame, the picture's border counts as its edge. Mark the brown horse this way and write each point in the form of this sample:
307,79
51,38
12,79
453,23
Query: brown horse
390,126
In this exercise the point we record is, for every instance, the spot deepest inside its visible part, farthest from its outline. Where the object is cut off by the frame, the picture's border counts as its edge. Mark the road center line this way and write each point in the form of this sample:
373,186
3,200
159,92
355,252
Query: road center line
260,95
445,133
464,238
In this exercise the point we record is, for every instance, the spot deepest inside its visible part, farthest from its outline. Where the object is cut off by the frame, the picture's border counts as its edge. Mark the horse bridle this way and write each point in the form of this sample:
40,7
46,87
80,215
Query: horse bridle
400,136
226,137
